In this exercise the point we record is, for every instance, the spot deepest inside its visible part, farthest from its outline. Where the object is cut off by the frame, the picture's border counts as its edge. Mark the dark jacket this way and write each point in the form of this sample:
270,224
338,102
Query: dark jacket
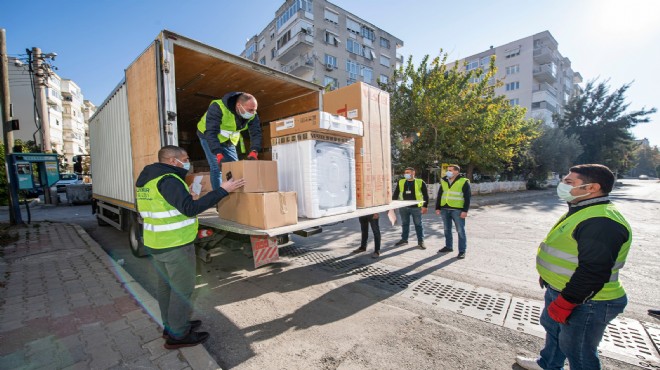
599,241
467,194
214,118
409,193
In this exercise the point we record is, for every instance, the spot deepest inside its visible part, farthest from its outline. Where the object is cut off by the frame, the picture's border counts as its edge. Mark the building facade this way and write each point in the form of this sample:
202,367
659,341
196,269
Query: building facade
535,74
323,43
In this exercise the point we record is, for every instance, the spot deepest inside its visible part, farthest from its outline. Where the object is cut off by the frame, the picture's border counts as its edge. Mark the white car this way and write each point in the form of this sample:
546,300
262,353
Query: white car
67,179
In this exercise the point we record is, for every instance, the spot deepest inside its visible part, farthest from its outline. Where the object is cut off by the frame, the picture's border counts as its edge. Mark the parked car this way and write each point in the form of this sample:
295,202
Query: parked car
67,179
643,177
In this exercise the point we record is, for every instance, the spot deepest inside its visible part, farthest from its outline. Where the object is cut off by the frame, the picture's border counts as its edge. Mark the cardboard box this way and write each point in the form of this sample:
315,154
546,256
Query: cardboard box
260,176
199,184
317,121
260,210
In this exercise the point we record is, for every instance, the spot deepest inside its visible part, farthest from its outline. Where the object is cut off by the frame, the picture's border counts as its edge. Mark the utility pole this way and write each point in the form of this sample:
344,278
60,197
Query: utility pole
7,135
39,85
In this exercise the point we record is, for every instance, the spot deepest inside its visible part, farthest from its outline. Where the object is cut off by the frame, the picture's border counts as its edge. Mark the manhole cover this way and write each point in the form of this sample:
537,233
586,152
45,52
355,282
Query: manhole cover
524,316
626,340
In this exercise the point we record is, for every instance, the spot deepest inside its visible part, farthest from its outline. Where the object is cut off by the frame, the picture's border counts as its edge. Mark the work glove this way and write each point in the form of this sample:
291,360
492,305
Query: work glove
252,156
219,157
560,309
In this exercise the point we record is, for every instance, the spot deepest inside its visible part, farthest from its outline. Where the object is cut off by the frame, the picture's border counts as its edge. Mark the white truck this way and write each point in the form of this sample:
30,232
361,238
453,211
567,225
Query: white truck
159,102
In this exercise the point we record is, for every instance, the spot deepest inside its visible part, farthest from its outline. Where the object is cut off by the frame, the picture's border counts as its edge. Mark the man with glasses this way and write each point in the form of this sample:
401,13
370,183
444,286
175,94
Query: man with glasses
220,130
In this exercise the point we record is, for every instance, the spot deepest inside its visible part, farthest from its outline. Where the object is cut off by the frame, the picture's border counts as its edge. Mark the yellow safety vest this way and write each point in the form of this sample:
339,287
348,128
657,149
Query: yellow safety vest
164,226
418,190
557,256
450,196
228,129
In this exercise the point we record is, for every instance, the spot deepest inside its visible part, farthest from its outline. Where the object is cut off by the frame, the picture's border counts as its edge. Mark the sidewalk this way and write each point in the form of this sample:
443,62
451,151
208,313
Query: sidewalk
65,304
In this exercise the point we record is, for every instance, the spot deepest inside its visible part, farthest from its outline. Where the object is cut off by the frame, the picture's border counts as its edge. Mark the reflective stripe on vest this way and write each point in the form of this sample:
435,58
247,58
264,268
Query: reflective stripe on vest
557,256
451,197
164,226
418,191
227,126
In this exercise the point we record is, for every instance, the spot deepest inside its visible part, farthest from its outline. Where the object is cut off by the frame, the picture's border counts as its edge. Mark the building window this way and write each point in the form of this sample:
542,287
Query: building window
484,63
385,61
262,60
513,102
384,79
367,75
512,70
250,50
353,70
353,46
305,5
272,53
512,53
512,86
368,53
384,43
331,61
331,16
284,39
473,64
368,33
330,82
331,38
353,26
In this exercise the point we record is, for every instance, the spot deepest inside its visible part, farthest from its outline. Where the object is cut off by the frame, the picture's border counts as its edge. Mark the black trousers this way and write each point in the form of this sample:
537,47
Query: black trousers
365,221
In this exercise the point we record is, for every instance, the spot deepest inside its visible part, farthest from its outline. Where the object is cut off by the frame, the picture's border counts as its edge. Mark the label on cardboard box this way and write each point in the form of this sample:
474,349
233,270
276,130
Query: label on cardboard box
310,135
284,125
353,113
199,184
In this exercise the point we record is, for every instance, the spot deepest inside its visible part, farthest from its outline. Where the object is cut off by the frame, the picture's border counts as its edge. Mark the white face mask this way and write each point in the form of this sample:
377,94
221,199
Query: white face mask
186,165
407,176
564,192
449,174
246,114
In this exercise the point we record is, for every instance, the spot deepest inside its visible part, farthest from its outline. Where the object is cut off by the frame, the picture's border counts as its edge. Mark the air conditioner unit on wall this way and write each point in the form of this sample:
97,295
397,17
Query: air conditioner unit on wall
329,67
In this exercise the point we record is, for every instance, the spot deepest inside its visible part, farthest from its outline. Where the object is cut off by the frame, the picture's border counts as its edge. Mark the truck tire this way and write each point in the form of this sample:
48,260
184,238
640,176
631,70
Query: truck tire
135,240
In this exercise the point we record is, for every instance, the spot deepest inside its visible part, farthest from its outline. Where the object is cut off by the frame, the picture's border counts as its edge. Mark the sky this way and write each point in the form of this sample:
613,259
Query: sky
96,40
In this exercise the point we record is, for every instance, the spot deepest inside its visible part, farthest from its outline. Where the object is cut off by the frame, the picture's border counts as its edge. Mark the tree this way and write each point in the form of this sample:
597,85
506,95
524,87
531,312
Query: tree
554,151
446,114
646,160
601,122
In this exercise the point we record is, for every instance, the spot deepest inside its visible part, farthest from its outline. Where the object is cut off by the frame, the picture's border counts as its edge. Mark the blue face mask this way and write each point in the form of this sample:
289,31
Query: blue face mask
407,176
449,174
186,165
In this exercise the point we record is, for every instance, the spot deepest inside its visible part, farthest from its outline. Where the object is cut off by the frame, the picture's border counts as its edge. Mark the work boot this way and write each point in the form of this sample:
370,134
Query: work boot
421,245
400,243
190,340
461,255
375,255
445,250
528,363
654,313
360,250
194,324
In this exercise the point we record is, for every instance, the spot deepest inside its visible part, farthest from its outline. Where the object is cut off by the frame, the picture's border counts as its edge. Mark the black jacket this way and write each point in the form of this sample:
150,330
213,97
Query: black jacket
467,194
599,241
214,118
176,193
409,193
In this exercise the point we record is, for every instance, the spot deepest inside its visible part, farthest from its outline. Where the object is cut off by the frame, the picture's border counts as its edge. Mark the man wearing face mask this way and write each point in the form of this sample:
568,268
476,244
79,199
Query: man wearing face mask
410,188
170,229
220,130
579,263
452,205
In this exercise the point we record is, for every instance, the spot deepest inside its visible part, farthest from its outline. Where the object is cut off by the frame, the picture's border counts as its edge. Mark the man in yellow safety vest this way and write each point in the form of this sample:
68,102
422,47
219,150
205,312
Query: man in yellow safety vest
579,263
410,188
169,216
452,204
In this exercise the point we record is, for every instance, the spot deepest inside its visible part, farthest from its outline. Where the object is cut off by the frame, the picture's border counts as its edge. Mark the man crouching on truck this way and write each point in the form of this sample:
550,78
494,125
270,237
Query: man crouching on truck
219,131
170,229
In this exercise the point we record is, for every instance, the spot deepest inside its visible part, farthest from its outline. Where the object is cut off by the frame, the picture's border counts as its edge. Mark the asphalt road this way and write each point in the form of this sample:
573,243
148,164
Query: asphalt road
312,311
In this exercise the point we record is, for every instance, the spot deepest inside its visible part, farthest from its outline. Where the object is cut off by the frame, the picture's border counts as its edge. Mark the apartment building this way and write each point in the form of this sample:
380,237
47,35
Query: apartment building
66,111
535,74
323,43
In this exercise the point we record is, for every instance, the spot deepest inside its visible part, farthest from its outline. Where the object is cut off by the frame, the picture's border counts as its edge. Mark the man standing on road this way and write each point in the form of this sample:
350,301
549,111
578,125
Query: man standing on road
452,204
365,221
410,188
170,229
579,263
219,131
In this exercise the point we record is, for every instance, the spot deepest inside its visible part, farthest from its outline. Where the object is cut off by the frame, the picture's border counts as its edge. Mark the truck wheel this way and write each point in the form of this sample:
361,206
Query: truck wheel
101,222
135,241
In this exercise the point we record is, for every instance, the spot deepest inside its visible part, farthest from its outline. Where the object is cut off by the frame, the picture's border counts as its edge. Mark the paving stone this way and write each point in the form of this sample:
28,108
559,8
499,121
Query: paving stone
6,326
82,365
155,347
116,326
171,361
129,344
103,357
40,345
13,360
40,359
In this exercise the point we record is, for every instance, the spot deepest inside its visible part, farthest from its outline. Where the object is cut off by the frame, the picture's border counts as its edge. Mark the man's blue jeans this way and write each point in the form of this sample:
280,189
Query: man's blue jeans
176,282
416,213
230,155
449,215
578,340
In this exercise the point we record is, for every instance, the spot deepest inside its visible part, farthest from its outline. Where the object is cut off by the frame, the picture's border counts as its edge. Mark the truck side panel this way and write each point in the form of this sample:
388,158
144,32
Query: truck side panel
110,145
142,84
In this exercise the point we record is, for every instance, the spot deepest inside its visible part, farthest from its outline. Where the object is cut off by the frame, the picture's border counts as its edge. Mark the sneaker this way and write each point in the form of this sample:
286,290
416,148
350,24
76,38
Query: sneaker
421,245
461,255
360,250
375,255
445,250
528,363
654,313
400,243
190,340
194,324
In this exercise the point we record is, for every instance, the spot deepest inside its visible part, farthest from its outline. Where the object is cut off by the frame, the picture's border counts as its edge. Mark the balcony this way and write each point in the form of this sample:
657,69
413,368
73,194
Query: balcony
544,87
546,73
300,44
544,105
543,55
399,59
299,66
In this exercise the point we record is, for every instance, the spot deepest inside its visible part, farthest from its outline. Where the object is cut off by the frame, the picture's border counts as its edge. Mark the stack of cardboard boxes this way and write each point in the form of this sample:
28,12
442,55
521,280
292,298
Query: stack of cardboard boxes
372,150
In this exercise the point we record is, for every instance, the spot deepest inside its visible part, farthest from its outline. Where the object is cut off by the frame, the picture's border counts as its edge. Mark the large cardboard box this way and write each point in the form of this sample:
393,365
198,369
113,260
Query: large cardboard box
317,121
260,210
260,176
373,158
199,184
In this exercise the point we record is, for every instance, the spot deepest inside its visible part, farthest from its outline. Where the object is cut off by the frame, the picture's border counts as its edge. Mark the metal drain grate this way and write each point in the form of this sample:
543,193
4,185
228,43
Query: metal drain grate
524,316
626,340
384,277
480,303
654,333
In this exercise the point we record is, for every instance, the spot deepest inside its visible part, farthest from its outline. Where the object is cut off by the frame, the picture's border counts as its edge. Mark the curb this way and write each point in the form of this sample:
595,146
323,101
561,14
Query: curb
197,357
